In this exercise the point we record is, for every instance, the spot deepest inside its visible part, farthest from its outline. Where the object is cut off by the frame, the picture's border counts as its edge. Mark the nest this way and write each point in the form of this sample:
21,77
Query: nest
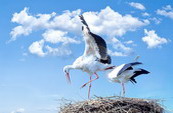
113,105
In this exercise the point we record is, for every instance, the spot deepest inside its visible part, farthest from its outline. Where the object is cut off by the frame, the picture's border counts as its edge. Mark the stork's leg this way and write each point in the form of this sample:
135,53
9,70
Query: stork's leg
123,89
91,80
89,88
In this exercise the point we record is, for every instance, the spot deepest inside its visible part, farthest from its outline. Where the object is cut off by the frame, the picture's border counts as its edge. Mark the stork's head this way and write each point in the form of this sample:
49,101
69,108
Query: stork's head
66,70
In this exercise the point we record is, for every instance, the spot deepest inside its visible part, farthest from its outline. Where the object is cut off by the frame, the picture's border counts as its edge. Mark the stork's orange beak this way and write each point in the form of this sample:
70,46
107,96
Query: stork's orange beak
68,77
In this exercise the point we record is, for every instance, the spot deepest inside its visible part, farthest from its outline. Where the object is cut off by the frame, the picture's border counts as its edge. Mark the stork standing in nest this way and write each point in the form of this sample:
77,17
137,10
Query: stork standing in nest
94,58
126,72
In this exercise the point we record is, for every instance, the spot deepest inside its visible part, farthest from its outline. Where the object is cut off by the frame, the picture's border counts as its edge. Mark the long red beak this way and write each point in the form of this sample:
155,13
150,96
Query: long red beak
68,77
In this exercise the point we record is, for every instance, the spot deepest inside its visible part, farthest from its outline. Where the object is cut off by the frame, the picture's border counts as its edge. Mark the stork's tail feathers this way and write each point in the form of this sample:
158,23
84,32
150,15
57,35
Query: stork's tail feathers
137,73
106,61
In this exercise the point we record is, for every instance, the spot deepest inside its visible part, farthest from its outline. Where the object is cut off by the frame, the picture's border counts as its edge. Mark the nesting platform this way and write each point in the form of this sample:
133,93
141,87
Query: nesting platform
113,105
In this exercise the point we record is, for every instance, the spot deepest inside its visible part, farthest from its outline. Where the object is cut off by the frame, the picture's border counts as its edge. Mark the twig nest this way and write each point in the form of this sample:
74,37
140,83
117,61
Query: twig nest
113,105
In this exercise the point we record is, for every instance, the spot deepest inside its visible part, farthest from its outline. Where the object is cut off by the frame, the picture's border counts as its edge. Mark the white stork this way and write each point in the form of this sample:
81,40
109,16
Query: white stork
94,58
126,72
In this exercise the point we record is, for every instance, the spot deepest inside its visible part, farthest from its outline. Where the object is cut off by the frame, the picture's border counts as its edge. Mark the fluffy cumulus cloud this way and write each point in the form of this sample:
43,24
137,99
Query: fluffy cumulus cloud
28,23
56,29
57,36
37,48
59,28
52,36
119,48
59,51
111,23
20,110
137,5
153,40
105,22
166,11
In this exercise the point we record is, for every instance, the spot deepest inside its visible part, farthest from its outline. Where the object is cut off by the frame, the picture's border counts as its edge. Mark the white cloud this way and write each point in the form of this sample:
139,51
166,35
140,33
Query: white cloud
54,37
168,7
20,110
60,51
129,42
153,40
37,48
156,20
18,31
59,28
28,23
57,36
119,48
64,23
111,23
115,53
67,21
137,5
166,11
145,14
105,22
118,45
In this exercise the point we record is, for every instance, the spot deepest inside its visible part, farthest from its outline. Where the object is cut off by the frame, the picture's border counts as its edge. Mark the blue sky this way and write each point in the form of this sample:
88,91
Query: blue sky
38,38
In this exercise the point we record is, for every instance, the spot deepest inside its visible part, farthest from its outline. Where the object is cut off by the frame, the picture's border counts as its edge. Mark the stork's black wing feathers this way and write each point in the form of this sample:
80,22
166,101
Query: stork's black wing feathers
83,21
101,44
107,61
135,63
127,66
137,73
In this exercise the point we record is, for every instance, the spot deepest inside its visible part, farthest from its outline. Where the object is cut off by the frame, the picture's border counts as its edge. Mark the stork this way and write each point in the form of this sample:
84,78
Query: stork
94,58
124,73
